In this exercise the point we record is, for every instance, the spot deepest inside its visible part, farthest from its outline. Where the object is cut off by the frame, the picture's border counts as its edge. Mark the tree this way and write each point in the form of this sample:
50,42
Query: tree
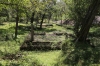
90,15
35,6
19,6
10,3
83,13
32,30
16,5
42,20
59,9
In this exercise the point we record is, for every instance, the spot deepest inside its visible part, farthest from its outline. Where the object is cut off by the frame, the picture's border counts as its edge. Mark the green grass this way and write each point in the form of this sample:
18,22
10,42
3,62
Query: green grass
54,28
29,58
59,28
37,58
48,58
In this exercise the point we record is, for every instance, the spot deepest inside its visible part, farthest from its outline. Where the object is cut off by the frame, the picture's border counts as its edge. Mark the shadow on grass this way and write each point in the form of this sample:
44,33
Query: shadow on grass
46,30
68,27
3,31
5,35
2,24
8,34
22,29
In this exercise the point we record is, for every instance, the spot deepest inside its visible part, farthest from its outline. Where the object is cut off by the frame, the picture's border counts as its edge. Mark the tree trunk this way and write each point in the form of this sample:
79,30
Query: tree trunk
42,21
37,21
32,26
8,16
56,17
61,19
93,9
17,19
27,18
49,18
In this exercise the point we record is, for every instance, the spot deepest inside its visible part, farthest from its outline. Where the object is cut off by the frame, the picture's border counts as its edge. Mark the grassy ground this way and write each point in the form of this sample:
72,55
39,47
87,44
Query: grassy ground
34,58
29,58
46,58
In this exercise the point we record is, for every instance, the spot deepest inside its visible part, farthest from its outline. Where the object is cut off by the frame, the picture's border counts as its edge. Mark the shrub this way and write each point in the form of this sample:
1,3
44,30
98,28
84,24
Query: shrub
2,19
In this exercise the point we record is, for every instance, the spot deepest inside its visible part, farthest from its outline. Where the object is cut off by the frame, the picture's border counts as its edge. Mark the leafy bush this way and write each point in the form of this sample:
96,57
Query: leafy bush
79,54
6,37
12,19
2,19
2,37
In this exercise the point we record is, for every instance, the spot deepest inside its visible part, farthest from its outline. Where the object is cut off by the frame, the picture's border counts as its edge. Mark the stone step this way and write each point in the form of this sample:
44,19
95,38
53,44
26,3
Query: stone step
41,46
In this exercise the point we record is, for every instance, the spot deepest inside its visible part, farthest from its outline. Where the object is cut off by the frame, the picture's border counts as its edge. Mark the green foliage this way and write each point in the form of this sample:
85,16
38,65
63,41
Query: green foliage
78,54
30,58
2,19
81,54
77,12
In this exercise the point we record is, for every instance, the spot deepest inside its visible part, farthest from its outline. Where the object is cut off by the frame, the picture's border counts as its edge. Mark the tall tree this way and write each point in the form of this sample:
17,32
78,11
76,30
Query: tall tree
16,5
90,15
83,13
32,30
43,16
17,19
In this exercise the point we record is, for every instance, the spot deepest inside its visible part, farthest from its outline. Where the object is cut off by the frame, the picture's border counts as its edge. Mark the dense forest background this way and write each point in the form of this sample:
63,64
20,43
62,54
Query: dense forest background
49,32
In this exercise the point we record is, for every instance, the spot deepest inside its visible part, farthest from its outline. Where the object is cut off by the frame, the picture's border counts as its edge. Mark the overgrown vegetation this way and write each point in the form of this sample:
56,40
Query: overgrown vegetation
79,54
49,33
10,49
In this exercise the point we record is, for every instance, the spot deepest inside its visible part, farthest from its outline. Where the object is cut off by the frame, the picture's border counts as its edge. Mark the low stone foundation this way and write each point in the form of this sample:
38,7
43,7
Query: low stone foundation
41,46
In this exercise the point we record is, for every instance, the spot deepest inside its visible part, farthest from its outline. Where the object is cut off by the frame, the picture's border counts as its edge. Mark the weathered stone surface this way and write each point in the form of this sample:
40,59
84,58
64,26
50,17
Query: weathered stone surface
41,46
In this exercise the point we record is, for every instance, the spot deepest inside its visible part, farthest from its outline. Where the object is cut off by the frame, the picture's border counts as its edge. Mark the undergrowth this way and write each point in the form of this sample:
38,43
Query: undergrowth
9,49
79,54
